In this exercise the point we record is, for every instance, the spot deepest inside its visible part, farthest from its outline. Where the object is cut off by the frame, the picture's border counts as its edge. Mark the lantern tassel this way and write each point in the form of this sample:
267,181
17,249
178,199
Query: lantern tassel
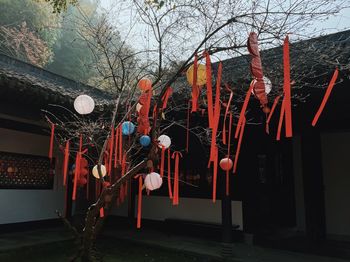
326,96
139,203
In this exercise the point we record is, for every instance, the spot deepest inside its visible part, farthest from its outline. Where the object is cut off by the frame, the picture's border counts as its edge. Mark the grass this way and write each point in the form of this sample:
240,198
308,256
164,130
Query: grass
111,251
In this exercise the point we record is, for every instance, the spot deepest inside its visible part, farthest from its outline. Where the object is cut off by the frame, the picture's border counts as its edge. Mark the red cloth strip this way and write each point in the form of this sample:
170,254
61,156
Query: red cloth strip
195,88
188,127
120,145
177,156
275,102
139,203
244,108
215,173
224,125
111,144
162,161
209,88
102,212
76,175
65,163
287,89
116,146
239,146
278,137
326,96
52,140
169,175
166,96
228,155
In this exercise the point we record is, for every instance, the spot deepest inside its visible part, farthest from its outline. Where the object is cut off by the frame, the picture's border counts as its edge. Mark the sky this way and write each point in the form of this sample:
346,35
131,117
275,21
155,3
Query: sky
124,17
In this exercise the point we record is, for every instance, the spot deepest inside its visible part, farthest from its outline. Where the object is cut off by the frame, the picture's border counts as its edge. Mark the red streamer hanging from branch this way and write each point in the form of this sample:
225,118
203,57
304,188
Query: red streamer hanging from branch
195,88
166,96
77,168
139,203
209,89
275,102
116,146
239,146
287,89
228,156
224,125
243,110
177,156
65,163
326,96
52,140
280,122
169,175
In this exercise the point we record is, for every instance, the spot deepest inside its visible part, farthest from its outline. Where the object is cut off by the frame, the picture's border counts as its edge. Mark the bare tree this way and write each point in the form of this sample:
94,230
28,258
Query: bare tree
174,32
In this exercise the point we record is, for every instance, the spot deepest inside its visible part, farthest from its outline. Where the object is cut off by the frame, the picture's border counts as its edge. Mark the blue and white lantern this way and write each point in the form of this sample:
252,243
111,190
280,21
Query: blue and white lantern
128,128
145,140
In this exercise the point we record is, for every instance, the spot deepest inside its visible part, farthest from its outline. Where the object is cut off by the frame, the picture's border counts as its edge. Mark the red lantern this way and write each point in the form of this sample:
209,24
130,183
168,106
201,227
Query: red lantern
226,164
145,84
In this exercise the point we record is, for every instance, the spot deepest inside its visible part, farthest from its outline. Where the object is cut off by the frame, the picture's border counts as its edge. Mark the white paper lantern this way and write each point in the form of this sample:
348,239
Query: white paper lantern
153,181
84,104
164,141
268,85
138,107
95,171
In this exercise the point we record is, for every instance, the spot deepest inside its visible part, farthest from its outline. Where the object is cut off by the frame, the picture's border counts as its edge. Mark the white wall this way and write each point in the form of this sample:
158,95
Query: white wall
336,174
28,205
202,210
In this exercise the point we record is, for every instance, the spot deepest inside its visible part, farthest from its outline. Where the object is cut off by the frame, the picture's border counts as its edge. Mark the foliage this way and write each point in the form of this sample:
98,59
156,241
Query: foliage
24,44
61,5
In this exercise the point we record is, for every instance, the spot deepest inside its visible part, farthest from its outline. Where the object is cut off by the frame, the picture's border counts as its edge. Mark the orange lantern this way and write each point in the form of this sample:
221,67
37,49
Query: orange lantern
226,164
145,84
201,75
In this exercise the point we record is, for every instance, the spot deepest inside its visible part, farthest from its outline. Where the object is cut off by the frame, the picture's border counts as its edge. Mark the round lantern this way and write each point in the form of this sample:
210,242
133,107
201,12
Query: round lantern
84,104
138,107
153,181
145,140
95,171
267,83
164,141
226,164
145,84
128,128
201,75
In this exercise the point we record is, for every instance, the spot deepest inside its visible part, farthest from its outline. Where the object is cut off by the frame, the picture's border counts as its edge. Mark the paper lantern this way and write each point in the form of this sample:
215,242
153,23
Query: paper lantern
145,84
95,171
268,85
226,164
153,181
145,140
138,107
84,104
128,128
201,75
164,141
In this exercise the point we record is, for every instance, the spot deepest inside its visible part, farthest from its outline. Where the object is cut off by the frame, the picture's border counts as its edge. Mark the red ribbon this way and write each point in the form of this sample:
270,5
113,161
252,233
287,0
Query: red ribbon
280,122
188,127
326,96
169,175
65,163
287,89
228,155
195,88
111,144
116,146
166,96
139,203
120,145
177,156
102,212
77,168
224,125
51,140
162,161
244,108
275,102
239,145
209,88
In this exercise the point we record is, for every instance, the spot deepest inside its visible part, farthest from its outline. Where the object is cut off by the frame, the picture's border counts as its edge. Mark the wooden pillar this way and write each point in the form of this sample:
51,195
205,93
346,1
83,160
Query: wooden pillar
311,153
